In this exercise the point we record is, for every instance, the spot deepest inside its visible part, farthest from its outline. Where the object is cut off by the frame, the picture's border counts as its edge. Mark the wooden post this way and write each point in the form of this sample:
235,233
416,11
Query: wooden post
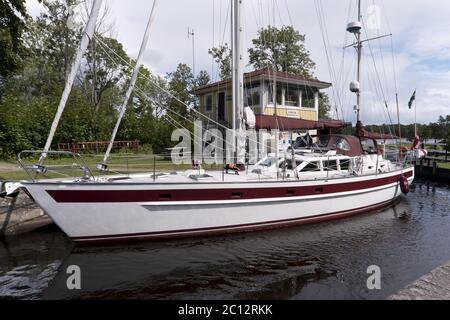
434,169
154,169
446,151
421,167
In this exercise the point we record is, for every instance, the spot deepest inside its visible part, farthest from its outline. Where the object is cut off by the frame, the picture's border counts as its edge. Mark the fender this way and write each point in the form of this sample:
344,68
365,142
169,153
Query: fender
404,184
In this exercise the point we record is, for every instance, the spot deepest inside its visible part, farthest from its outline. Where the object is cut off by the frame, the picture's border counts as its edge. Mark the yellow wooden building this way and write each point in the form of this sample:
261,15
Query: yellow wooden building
296,96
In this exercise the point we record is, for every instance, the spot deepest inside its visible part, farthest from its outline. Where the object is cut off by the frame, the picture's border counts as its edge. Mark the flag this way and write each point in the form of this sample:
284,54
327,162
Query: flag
411,101
416,143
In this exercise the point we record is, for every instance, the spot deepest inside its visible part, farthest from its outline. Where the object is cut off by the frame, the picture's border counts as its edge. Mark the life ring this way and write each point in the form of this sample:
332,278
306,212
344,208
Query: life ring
404,184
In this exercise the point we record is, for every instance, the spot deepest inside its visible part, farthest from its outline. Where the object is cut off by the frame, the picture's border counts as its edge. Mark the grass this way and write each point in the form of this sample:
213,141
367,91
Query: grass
117,164
444,165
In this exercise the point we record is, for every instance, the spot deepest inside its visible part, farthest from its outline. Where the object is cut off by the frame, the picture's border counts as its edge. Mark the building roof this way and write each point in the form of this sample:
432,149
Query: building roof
267,74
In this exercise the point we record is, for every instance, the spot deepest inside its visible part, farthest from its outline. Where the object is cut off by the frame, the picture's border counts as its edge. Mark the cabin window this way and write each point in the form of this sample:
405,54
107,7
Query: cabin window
292,97
345,165
330,165
288,165
209,103
323,141
311,167
369,146
342,144
253,94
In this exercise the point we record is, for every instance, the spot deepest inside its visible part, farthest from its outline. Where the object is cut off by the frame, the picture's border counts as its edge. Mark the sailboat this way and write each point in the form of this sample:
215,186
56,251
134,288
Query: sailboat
347,176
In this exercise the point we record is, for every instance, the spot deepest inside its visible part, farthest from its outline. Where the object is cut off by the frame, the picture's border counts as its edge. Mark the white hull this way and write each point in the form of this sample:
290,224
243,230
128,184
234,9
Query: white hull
114,220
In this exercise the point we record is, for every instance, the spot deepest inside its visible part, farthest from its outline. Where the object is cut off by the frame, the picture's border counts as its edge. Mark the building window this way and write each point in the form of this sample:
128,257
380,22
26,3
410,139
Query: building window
253,95
292,97
209,103
308,99
279,94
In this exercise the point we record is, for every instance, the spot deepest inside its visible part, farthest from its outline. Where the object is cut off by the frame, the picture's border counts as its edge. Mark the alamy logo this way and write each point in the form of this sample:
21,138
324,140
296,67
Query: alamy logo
74,279
374,281
72,18
373,17
213,146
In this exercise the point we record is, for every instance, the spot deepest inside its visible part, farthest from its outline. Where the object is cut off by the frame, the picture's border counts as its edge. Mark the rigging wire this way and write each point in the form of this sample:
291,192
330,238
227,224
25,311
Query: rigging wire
326,43
155,84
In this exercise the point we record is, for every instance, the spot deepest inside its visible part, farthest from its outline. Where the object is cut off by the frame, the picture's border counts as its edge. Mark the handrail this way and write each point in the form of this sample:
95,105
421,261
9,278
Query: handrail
42,169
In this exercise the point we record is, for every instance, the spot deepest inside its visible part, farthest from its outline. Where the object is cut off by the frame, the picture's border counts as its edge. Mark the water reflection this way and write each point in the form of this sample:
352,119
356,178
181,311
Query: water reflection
327,261
30,262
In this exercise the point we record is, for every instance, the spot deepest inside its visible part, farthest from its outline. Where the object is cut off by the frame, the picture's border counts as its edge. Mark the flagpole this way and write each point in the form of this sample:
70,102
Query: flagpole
415,111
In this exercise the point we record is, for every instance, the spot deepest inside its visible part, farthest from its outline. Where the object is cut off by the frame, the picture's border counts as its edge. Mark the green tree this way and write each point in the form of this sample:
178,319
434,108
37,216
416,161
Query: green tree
324,106
202,79
58,35
180,85
102,73
281,50
222,56
13,15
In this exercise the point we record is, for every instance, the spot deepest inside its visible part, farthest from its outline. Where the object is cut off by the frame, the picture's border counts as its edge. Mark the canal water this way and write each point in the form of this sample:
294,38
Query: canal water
322,261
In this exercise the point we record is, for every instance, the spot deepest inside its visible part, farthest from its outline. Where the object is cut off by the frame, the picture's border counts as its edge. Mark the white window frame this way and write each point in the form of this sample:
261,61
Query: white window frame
211,108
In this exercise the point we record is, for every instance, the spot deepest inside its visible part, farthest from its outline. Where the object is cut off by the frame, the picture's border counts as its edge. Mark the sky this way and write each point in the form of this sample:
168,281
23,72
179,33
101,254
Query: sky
416,57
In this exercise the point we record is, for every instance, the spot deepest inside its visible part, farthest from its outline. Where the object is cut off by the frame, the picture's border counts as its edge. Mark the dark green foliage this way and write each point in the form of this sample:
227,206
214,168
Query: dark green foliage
28,101
13,16
324,106
222,56
281,50
438,130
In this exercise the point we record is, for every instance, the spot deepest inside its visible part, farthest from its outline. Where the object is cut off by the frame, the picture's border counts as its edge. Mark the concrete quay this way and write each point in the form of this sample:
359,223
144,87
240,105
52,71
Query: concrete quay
434,286
19,215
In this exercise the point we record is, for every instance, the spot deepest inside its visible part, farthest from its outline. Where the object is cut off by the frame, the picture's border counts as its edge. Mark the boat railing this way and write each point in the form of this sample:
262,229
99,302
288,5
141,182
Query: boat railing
55,164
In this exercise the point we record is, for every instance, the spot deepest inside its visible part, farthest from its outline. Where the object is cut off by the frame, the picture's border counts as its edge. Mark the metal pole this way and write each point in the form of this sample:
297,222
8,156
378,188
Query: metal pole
87,35
132,84
359,44
238,79
399,126
238,93
191,33
446,140
415,116
154,169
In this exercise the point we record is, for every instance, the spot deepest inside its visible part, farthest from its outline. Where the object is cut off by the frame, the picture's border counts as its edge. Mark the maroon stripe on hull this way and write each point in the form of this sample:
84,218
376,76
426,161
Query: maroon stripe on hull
182,234
121,196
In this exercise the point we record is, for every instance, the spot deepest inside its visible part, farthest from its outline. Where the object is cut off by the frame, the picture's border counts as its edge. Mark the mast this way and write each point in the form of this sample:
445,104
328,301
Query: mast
134,78
238,78
359,48
238,74
87,35
355,86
